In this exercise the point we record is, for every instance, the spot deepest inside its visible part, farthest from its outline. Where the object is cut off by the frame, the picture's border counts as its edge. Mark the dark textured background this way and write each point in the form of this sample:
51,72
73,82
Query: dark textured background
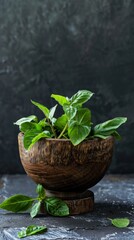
61,46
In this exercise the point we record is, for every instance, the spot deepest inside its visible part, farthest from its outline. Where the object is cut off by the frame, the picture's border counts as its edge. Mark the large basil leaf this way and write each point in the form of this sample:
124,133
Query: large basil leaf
31,230
44,109
60,99
61,122
103,130
17,203
80,126
26,119
80,97
56,206
35,209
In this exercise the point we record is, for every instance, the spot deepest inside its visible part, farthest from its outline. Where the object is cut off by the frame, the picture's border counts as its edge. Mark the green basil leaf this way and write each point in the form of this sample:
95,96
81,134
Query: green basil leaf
70,111
44,109
44,134
116,135
106,134
61,122
56,206
26,126
52,112
29,126
60,99
80,126
41,191
109,127
26,119
80,97
120,222
31,230
35,209
29,136
43,123
17,203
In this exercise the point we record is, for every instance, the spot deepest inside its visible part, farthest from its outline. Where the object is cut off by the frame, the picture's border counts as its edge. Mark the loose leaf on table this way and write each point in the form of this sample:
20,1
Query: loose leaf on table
60,99
44,109
35,209
31,230
41,191
103,130
17,203
56,207
80,97
80,126
120,222
26,119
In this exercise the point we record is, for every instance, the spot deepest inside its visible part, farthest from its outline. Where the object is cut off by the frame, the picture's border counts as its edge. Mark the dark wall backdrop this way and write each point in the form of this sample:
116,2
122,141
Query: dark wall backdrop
61,46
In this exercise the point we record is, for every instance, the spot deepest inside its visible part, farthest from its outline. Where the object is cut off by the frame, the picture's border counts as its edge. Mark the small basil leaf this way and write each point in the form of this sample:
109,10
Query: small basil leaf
26,126
56,206
26,119
29,126
44,109
60,99
80,97
69,111
44,134
120,222
61,122
17,203
29,136
116,135
80,126
41,191
52,112
35,209
31,230
43,123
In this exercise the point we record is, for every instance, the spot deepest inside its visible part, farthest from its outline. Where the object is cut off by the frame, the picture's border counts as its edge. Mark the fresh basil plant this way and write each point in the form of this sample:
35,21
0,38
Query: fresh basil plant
74,124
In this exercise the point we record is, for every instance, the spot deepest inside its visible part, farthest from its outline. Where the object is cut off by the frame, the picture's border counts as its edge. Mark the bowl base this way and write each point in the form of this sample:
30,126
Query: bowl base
77,202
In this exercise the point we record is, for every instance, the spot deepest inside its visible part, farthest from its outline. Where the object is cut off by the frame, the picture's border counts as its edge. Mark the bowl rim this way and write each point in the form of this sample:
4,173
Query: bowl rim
96,139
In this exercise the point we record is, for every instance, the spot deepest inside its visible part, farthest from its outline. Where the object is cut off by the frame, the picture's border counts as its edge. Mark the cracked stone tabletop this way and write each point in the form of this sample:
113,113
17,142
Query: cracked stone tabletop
114,198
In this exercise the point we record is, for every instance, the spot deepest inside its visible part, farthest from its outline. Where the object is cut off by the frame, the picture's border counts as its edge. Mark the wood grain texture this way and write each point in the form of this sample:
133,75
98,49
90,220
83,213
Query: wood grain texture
60,166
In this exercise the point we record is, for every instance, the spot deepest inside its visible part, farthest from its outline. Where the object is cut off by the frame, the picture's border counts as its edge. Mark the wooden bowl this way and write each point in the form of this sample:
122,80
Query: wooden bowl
61,167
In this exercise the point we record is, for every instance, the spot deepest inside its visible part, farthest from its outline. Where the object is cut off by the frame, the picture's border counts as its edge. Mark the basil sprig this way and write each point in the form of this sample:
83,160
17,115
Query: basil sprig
74,124
21,203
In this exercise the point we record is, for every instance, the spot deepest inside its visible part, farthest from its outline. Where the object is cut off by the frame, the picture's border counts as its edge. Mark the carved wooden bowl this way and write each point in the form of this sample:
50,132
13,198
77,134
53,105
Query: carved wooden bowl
60,166
67,171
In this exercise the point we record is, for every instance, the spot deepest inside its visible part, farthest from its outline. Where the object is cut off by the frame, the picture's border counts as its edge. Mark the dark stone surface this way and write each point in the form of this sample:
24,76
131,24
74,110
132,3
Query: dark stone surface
114,197
49,46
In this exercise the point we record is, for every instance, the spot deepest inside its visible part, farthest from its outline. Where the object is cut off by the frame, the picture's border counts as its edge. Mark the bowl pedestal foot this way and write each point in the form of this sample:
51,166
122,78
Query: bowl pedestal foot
77,202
